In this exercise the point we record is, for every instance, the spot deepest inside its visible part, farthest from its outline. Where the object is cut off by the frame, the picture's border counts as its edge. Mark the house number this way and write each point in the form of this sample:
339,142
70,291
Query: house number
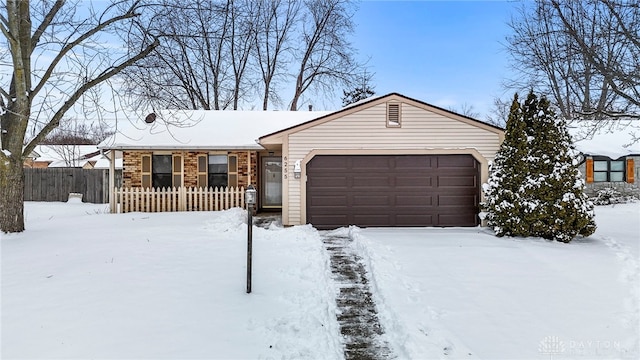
285,166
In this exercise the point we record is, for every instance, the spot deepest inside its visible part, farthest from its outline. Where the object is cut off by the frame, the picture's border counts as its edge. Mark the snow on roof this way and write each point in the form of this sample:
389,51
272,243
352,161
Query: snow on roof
56,153
103,163
610,141
206,129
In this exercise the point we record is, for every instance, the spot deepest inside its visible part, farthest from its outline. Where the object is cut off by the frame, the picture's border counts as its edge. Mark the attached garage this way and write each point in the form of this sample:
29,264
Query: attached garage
392,190
386,161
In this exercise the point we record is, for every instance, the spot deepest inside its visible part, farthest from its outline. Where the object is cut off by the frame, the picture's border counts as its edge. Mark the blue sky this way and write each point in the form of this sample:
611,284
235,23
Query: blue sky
446,53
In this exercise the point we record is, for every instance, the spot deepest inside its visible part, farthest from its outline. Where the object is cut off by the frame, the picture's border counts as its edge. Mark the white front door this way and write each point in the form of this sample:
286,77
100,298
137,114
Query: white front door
271,182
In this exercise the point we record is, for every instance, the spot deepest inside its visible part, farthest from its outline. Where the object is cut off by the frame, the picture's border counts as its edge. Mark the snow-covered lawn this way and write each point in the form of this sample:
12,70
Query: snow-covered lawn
80,283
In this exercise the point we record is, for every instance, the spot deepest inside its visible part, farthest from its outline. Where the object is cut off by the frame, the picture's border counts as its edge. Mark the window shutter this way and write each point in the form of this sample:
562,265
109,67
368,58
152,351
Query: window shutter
177,170
146,171
202,171
630,171
589,167
232,171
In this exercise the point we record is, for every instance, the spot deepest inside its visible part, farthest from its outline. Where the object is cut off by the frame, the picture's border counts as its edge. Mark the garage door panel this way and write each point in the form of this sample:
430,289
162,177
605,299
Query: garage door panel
392,190
328,182
457,181
328,200
370,200
459,201
330,162
413,162
455,219
413,181
331,221
464,161
369,162
413,219
415,200
370,220
360,181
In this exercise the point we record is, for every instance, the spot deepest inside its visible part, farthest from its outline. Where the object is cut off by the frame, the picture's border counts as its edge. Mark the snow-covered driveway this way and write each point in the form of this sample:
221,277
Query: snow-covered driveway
465,293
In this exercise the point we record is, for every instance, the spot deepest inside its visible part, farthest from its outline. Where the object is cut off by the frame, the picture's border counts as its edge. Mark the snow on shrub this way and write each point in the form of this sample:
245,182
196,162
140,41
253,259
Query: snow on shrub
534,186
609,196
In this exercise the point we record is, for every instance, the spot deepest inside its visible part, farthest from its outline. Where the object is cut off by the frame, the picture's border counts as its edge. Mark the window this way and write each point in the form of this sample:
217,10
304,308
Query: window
607,170
393,115
161,171
218,171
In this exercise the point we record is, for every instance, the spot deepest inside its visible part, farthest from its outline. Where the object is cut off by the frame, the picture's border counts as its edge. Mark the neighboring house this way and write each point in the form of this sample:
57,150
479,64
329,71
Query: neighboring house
385,161
76,156
611,159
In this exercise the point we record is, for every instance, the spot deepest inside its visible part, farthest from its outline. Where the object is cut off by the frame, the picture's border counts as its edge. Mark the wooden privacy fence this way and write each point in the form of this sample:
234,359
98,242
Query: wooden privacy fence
177,199
55,184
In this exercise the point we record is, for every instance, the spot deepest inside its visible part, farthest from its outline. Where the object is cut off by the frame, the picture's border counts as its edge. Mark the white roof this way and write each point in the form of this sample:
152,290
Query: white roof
206,129
62,155
610,141
103,163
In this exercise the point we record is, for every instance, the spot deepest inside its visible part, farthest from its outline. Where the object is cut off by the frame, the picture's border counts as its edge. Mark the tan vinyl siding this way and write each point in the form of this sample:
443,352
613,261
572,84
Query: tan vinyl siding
420,131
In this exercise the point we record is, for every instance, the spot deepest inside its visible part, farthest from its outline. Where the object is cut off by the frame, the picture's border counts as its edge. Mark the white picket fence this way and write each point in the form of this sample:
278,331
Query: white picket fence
177,199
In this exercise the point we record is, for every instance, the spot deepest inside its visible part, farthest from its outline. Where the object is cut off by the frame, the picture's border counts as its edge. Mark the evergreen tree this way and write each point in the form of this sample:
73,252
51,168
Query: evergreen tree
357,94
362,90
503,205
535,188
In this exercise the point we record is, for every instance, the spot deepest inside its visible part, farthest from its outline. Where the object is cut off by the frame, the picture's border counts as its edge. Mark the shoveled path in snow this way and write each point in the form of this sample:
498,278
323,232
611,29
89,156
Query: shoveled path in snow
357,314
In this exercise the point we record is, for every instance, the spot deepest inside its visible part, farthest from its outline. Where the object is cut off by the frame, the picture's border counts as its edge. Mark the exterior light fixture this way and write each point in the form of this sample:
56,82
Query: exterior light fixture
297,170
250,196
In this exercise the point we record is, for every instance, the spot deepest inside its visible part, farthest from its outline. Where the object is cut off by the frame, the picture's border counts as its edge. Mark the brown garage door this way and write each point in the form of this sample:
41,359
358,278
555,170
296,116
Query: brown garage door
392,190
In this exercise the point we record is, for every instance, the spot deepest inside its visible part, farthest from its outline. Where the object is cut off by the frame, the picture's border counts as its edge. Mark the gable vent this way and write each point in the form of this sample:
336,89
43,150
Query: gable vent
393,114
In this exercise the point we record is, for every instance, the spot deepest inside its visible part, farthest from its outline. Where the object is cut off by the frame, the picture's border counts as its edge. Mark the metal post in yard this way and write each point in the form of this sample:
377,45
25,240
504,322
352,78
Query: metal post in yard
250,199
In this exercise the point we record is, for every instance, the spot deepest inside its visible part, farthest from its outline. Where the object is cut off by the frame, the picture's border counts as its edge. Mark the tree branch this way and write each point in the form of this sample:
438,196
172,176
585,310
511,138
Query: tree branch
107,74
35,39
45,77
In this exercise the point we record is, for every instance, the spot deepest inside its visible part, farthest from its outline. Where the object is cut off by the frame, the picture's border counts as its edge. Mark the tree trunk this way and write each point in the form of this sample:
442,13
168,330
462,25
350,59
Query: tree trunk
12,195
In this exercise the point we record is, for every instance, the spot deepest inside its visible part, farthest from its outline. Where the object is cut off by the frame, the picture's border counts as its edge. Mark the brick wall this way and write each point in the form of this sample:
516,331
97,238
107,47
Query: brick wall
244,161
191,168
132,168
132,163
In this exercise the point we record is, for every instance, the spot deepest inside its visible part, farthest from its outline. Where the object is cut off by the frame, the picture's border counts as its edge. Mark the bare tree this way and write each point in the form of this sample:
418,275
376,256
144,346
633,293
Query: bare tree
243,24
190,69
76,132
619,65
221,54
70,59
276,19
499,112
583,54
465,109
326,57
